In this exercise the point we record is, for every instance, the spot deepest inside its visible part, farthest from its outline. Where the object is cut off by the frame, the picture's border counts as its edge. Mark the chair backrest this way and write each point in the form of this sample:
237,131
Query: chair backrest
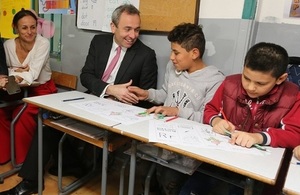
64,80
293,70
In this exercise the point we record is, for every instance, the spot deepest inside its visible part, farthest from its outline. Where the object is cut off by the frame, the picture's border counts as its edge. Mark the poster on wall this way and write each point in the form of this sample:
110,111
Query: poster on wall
57,6
8,8
295,8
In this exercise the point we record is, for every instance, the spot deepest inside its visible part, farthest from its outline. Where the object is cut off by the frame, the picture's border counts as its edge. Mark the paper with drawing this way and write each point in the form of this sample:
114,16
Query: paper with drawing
192,134
113,110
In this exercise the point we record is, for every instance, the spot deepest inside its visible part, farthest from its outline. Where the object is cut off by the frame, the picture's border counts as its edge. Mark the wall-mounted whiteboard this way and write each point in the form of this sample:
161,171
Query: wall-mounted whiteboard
156,15
96,14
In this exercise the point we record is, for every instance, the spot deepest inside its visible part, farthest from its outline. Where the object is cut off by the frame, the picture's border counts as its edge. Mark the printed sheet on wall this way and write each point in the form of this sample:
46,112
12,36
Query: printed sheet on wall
8,9
96,15
57,6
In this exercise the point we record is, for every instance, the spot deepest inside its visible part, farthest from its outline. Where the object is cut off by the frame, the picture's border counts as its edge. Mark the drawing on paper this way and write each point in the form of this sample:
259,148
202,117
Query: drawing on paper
192,134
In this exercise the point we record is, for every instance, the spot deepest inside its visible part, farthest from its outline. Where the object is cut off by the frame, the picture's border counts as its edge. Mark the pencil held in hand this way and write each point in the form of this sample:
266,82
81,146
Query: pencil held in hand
228,133
223,114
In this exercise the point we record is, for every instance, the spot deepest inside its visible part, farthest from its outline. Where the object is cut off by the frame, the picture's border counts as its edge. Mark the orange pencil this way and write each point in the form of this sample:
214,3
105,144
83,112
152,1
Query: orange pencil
222,112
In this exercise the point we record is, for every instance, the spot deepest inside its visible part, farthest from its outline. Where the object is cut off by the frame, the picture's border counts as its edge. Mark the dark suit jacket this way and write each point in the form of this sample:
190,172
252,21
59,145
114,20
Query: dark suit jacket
139,64
3,66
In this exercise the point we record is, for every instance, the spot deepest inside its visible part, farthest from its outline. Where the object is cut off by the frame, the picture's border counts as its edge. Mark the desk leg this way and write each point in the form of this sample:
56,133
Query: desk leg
40,152
249,186
132,167
104,163
16,167
60,156
12,132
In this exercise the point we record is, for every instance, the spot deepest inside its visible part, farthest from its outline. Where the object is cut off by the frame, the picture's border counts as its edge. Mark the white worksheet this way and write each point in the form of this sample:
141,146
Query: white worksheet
113,110
192,134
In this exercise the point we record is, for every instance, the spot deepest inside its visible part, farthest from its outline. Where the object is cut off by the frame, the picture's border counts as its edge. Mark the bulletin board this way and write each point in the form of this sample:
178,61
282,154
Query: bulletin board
162,16
156,15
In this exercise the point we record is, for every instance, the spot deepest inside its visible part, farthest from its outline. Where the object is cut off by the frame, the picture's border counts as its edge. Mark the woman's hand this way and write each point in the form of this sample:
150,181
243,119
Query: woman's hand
3,81
22,69
18,79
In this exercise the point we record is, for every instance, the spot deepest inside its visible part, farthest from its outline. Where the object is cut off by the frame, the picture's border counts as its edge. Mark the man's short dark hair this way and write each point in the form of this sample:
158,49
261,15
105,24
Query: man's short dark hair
189,36
267,57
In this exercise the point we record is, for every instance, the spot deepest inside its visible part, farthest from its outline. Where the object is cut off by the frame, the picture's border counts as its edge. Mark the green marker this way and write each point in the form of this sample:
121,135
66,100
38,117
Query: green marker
159,116
143,113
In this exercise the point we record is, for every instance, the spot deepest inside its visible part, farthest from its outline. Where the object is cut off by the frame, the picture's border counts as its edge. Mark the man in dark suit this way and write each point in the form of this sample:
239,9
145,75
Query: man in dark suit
137,63
136,66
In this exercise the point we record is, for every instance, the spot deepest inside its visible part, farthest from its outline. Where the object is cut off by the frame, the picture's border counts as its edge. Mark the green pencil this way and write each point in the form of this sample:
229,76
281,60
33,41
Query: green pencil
254,145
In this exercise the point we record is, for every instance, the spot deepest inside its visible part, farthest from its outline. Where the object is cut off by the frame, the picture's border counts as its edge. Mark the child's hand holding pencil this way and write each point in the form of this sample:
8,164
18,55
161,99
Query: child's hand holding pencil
241,138
221,125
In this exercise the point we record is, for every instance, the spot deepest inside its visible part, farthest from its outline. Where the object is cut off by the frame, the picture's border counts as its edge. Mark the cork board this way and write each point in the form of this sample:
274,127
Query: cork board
156,15
162,16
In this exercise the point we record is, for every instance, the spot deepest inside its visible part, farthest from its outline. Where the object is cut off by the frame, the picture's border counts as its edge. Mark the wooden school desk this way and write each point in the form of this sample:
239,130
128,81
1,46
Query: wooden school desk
264,168
55,103
292,184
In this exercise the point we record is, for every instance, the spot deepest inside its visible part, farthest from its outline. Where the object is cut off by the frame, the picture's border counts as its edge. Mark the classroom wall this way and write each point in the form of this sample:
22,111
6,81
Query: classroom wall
228,36
226,33
274,25
224,50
